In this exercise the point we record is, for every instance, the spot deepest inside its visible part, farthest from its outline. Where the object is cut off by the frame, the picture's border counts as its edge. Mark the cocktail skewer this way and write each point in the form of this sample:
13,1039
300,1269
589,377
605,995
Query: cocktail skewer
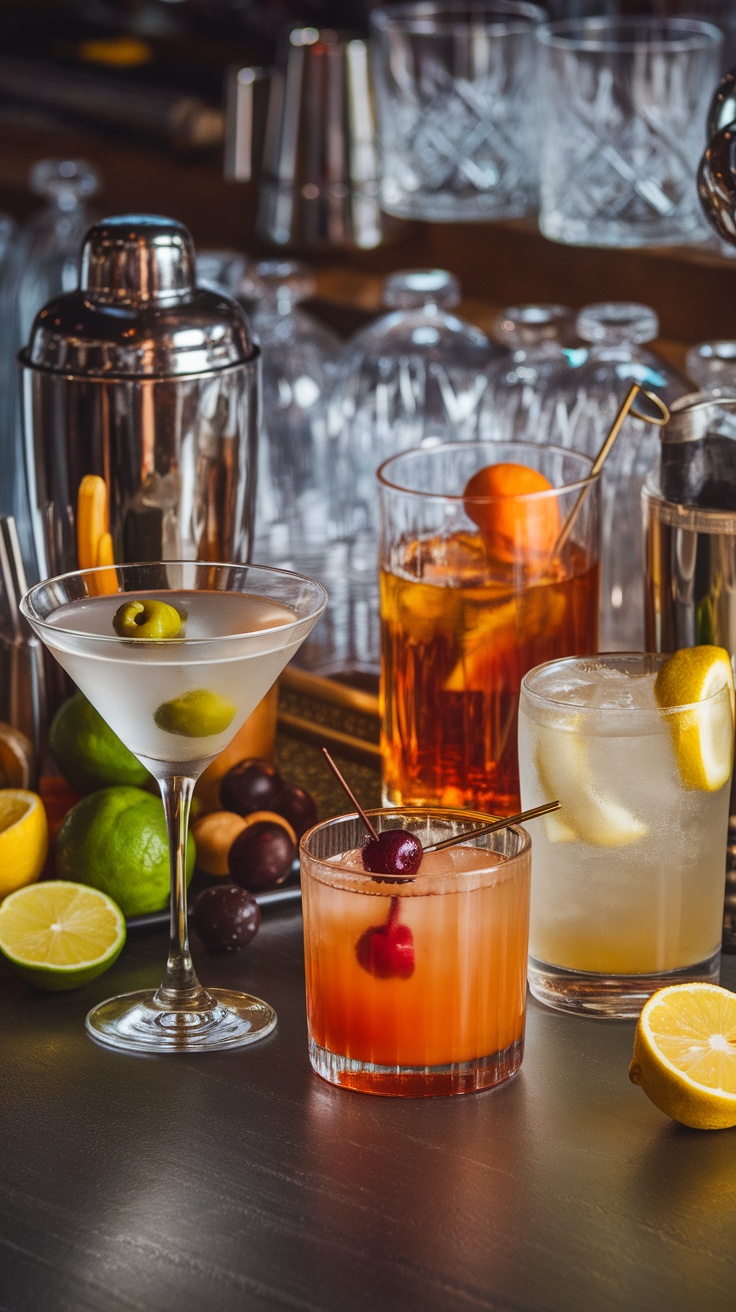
628,406
519,819
457,838
344,784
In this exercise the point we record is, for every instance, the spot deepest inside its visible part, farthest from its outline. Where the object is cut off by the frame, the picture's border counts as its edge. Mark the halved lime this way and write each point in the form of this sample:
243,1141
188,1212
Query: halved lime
702,732
59,935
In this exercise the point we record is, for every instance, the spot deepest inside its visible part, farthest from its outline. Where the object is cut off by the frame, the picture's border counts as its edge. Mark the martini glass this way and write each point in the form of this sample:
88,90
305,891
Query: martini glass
176,702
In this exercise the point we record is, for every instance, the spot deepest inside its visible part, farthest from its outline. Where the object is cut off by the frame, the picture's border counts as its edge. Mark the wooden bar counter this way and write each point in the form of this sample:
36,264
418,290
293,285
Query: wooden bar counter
241,1182
238,1182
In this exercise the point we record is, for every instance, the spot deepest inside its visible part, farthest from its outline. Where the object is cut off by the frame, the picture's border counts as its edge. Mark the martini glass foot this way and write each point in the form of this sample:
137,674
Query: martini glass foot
135,1022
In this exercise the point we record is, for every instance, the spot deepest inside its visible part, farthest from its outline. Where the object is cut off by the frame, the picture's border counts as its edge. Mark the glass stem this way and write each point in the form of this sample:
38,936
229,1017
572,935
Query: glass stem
180,989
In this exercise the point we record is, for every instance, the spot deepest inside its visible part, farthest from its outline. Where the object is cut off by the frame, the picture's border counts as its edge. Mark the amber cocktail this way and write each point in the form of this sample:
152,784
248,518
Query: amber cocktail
416,986
475,591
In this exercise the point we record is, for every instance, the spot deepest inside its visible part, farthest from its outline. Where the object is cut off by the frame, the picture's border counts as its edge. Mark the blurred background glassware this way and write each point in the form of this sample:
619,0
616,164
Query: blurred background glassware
457,109
712,366
689,508
578,409
722,13
221,270
543,348
297,351
622,132
43,262
151,384
413,377
50,242
317,167
12,482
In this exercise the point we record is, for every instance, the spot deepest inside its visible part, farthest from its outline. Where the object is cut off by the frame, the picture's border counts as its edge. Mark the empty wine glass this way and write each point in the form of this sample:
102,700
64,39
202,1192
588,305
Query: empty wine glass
540,341
45,263
579,413
12,482
712,365
297,352
413,377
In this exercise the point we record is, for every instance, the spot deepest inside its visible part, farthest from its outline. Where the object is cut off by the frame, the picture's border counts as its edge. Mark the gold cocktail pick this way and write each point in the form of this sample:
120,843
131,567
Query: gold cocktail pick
519,819
627,407
457,838
344,783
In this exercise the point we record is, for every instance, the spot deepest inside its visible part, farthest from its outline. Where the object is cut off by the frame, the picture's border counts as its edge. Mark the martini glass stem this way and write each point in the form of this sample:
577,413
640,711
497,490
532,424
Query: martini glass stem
180,989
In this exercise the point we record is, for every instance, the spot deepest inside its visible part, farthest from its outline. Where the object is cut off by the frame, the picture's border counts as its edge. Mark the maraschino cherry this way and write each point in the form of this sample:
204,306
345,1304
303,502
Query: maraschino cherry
392,852
386,951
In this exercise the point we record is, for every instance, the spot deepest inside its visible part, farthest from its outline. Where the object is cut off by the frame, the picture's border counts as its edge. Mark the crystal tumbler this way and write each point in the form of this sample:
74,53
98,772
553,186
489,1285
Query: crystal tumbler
625,104
455,91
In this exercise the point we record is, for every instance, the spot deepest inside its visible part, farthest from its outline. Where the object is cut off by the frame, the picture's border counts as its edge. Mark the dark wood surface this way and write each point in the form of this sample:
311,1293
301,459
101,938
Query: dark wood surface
241,1181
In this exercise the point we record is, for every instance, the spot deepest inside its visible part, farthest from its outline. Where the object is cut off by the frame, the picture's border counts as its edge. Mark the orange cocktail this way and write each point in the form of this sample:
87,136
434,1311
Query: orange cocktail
476,589
416,986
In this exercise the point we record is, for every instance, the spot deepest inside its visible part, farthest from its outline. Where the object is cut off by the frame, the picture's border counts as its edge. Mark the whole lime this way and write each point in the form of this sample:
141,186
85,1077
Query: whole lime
89,755
115,840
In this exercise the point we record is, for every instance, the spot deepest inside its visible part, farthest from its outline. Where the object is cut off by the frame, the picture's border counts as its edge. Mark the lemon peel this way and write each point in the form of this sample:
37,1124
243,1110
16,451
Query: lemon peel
586,813
685,1054
702,732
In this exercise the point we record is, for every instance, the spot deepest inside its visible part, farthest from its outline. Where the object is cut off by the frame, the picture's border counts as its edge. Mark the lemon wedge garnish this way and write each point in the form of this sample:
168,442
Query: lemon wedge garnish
561,759
702,734
685,1054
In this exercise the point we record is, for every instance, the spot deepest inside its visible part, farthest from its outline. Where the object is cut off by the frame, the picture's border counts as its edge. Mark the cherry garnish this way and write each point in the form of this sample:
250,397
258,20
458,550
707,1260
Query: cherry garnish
387,951
392,852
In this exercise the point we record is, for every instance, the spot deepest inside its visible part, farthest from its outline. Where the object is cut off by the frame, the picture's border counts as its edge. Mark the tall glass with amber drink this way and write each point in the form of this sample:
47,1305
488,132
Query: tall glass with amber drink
480,581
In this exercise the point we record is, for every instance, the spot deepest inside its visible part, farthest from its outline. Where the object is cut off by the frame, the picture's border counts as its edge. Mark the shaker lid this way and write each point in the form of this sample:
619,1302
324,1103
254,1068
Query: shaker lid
137,311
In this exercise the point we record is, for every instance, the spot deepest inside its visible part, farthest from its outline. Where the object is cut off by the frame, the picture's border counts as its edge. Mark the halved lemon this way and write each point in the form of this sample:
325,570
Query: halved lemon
24,838
586,812
702,735
685,1054
59,935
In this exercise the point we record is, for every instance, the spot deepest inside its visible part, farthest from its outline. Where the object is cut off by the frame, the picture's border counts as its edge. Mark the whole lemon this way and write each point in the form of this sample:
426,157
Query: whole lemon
115,840
89,755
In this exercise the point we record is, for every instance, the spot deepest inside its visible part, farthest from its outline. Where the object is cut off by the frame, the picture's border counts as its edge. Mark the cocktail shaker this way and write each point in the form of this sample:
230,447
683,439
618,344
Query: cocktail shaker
306,131
690,556
152,384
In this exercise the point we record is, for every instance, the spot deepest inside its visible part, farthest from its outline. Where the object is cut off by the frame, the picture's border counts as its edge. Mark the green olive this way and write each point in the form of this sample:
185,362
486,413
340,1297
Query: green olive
196,714
147,619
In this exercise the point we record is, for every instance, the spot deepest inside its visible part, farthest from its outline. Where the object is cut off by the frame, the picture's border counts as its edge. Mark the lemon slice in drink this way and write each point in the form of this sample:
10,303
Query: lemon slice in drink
24,837
586,812
702,735
59,935
685,1054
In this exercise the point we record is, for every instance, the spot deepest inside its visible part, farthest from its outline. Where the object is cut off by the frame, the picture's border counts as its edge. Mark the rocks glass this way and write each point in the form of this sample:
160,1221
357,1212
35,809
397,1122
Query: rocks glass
455,92
416,986
625,105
